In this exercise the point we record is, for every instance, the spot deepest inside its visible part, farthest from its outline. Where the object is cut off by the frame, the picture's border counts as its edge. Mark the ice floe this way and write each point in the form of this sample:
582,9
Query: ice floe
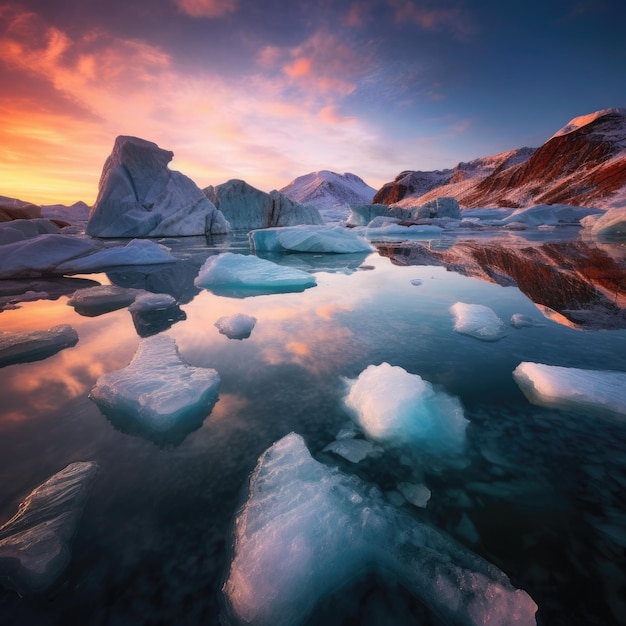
307,529
418,495
158,390
320,239
94,301
241,275
34,345
353,450
238,326
571,387
519,320
35,544
392,405
477,320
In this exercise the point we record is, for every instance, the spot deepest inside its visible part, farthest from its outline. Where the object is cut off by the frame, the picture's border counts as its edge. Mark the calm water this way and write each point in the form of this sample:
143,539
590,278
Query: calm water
544,490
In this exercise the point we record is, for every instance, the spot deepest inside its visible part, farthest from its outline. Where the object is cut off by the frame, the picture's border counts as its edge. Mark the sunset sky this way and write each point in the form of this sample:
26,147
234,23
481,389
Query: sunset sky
268,90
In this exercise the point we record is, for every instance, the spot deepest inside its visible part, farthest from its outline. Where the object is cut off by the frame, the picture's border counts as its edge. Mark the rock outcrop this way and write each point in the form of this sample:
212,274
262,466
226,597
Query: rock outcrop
140,197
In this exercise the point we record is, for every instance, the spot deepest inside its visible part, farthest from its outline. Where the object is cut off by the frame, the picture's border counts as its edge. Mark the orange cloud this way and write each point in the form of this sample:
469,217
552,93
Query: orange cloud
207,8
330,115
300,67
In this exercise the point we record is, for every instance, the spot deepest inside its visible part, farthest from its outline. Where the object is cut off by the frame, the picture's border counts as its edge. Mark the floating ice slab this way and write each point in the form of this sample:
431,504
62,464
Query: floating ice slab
570,387
27,346
321,239
152,302
477,320
353,450
228,271
94,301
135,252
238,326
392,405
307,529
40,256
35,545
158,389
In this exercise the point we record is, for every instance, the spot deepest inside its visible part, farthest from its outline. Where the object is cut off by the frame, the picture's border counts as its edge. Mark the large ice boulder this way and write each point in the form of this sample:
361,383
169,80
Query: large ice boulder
439,207
319,239
138,196
34,345
477,320
242,275
246,207
394,406
571,387
307,529
135,252
35,544
40,255
158,390
609,225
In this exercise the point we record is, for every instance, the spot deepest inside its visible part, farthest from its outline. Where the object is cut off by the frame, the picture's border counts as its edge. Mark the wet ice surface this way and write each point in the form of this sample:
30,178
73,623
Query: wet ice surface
540,495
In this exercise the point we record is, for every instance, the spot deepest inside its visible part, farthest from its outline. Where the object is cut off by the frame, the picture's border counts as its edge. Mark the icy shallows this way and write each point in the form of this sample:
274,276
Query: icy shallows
554,385
158,389
392,405
307,529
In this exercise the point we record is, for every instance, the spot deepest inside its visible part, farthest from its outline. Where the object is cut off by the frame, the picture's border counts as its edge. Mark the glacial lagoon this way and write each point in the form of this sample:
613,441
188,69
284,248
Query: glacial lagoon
537,488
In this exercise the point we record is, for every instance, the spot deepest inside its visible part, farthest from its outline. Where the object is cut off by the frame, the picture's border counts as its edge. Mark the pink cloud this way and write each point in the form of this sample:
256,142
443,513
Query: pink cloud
207,8
331,115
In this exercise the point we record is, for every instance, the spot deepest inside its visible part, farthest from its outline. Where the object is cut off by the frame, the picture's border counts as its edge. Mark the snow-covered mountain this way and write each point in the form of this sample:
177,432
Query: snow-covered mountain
331,193
584,163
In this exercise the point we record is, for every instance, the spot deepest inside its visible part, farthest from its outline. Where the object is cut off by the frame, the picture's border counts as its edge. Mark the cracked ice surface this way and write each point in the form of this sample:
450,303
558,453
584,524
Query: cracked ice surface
307,529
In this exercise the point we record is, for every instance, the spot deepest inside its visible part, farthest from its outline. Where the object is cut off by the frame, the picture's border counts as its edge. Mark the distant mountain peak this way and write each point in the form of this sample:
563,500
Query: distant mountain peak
585,120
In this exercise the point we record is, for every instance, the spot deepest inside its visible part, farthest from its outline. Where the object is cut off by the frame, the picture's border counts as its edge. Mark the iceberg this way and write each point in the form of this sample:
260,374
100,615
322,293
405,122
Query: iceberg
40,255
307,529
35,545
239,276
238,326
439,207
320,239
27,346
135,252
570,387
392,405
246,208
153,313
550,215
138,196
609,225
363,214
152,302
18,230
477,320
158,392
94,301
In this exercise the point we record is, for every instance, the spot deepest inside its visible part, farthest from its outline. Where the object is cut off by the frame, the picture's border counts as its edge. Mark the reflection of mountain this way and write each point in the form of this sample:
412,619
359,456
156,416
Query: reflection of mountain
580,281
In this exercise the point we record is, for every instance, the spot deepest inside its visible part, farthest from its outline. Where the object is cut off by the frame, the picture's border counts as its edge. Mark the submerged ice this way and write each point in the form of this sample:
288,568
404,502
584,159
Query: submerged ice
395,406
158,389
35,544
554,385
307,529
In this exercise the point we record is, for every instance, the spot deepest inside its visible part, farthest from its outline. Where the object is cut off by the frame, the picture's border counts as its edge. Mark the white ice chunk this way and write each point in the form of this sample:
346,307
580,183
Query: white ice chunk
26,346
353,450
519,320
158,389
550,214
135,252
152,302
40,256
611,224
100,299
250,272
35,545
307,529
477,320
321,239
238,326
553,385
392,405
417,495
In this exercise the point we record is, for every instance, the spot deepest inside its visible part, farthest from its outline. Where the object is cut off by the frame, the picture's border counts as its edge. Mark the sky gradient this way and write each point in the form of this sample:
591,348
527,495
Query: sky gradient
269,90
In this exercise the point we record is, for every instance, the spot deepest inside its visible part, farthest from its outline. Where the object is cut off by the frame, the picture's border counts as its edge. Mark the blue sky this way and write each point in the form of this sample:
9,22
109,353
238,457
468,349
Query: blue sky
267,90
